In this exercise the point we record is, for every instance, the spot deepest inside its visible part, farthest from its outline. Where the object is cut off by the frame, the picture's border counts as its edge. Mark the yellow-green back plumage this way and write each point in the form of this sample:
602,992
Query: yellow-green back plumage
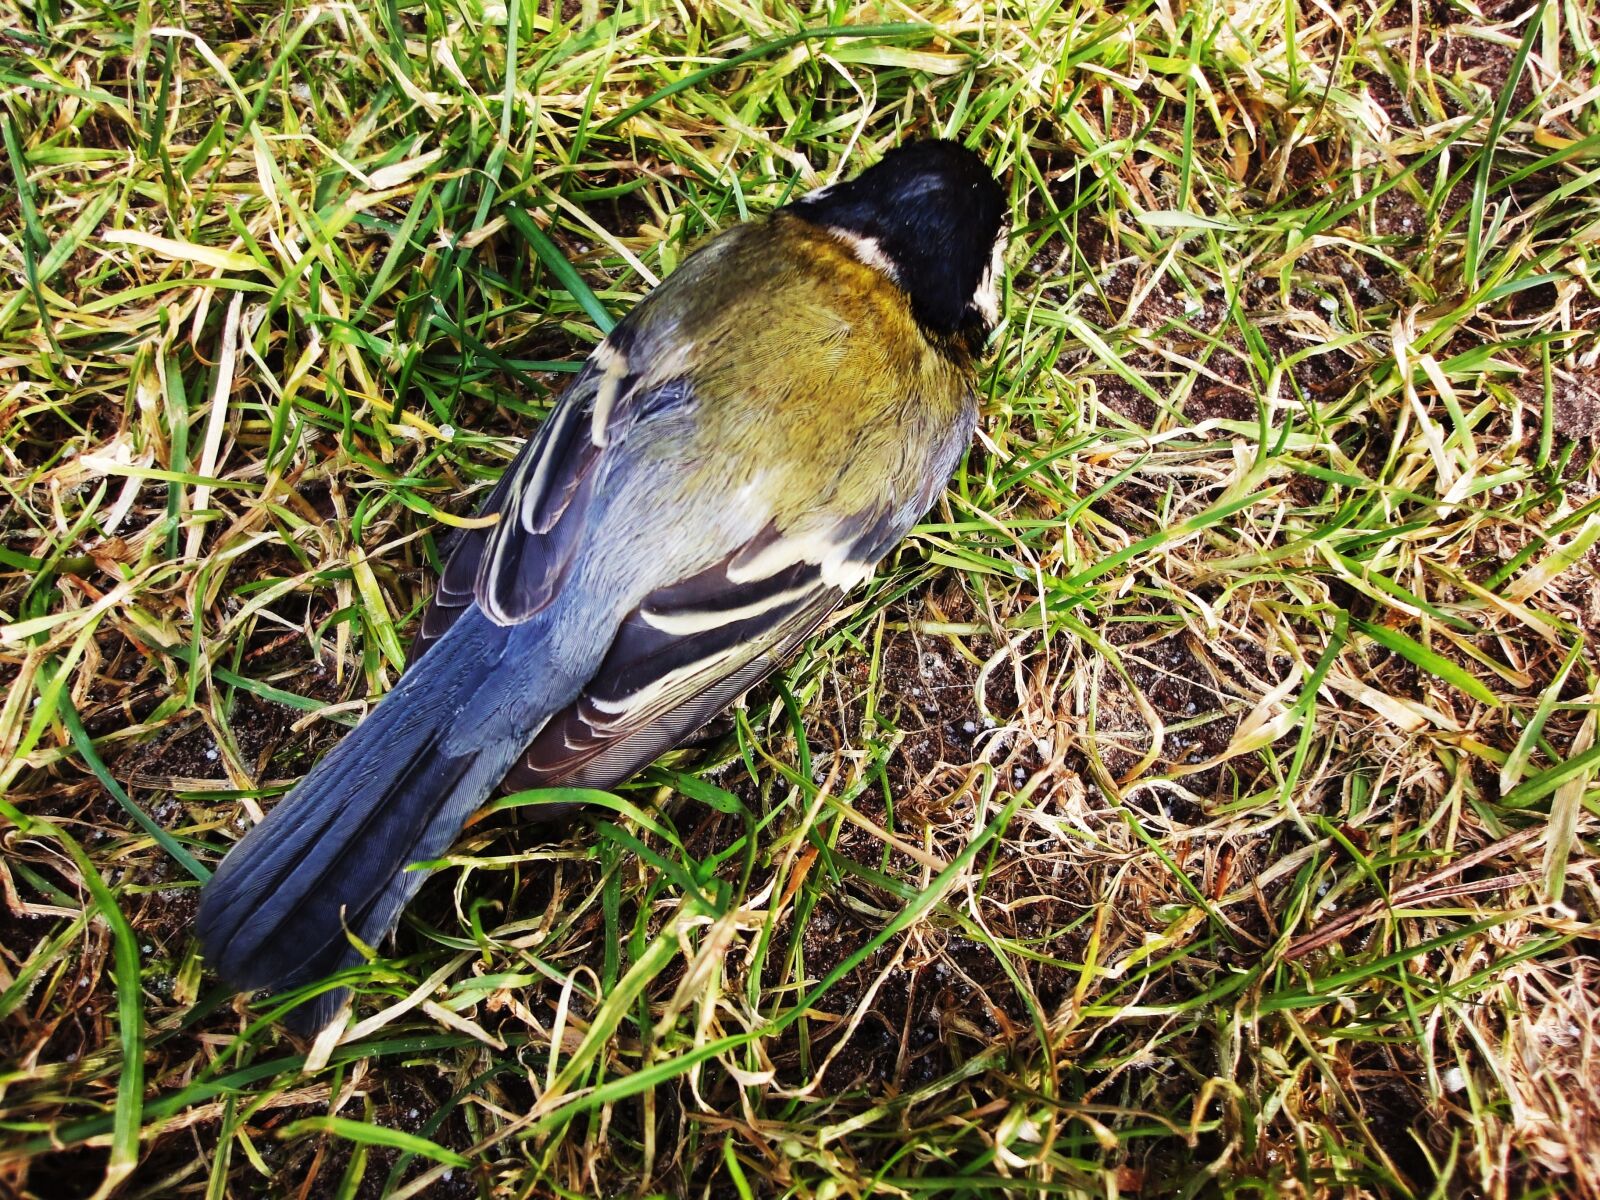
797,343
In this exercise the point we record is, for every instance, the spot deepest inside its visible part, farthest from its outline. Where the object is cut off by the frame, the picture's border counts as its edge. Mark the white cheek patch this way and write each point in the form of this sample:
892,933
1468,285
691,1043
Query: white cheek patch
866,250
986,299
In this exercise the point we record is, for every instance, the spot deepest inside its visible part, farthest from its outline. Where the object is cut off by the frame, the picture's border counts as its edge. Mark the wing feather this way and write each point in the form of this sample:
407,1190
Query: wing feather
514,568
530,550
691,648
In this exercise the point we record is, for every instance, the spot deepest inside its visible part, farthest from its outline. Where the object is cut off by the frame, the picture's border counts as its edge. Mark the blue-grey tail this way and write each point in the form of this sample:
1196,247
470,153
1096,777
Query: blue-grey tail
332,856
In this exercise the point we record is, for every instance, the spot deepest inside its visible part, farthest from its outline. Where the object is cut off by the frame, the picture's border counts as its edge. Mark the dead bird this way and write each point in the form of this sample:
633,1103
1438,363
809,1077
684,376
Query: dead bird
735,457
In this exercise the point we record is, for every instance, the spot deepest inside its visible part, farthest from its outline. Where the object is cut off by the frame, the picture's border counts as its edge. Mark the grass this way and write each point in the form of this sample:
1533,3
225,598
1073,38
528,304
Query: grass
1201,803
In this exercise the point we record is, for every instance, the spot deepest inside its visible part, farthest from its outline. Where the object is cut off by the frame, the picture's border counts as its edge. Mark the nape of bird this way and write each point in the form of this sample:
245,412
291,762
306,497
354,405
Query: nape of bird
735,457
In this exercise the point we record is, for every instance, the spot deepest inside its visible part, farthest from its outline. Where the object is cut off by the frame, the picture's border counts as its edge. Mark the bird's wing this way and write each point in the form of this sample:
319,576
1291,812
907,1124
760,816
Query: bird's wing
693,647
514,568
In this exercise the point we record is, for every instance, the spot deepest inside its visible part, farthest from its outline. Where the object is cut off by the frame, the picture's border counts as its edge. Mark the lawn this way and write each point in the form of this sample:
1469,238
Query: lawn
1201,802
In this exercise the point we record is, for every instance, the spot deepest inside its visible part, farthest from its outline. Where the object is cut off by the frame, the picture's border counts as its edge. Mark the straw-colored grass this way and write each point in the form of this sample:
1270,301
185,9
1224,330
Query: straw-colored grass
1201,803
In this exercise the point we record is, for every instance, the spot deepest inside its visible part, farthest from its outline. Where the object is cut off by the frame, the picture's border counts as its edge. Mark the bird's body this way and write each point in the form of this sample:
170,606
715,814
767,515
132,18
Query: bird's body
736,456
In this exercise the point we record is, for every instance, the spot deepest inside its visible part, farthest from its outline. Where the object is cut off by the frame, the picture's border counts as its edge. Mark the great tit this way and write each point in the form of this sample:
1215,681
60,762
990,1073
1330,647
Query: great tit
735,457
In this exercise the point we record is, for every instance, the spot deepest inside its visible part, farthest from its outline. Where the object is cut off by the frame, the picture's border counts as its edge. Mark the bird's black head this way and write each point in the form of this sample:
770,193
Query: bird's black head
931,215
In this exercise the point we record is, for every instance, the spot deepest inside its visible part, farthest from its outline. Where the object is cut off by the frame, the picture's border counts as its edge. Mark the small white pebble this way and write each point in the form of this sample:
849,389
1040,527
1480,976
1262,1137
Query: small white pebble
447,433
1454,1080
969,726
211,755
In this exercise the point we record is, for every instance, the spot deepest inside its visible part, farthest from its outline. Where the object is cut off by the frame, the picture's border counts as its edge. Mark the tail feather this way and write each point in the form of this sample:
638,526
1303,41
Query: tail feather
332,855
